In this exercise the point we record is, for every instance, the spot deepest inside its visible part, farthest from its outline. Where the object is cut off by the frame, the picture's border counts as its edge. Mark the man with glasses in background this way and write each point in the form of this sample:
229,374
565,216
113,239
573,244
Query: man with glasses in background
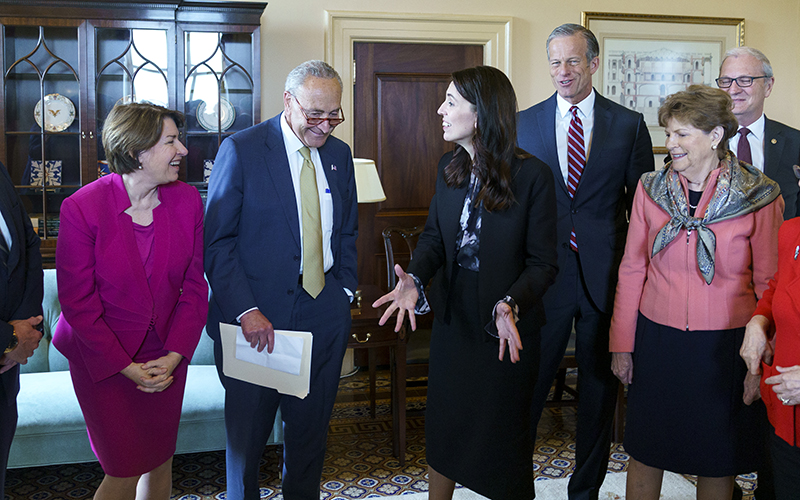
770,146
773,148
280,237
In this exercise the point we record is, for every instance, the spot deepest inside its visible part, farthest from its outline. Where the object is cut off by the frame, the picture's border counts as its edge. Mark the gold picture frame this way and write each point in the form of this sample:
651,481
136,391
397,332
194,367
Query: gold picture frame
646,57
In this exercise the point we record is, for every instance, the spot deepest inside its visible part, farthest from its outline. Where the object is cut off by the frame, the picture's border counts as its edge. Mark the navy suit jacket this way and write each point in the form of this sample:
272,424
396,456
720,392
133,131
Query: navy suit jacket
621,151
21,285
252,231
781,151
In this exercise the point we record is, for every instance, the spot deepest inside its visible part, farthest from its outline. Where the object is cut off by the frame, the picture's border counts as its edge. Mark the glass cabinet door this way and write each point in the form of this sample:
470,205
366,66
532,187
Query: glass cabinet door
219,94
42,102
130,65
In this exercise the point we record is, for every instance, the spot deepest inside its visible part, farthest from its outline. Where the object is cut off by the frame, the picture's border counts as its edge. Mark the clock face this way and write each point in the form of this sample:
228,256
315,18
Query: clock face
58,113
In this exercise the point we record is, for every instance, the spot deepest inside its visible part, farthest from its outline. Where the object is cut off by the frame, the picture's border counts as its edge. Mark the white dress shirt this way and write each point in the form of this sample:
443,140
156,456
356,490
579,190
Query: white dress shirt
563,117
293,146
756,140
5,231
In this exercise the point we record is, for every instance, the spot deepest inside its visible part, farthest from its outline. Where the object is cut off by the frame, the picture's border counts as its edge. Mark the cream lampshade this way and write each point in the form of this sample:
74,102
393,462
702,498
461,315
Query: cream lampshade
368,184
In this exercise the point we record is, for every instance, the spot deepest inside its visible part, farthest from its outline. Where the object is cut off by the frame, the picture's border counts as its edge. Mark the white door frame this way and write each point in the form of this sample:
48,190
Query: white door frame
343,28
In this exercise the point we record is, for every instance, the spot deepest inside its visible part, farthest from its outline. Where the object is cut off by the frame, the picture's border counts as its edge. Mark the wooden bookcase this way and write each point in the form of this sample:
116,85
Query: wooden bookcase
67,63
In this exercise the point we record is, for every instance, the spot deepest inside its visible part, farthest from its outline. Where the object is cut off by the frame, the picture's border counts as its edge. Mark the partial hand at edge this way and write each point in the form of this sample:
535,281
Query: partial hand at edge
28,338
507,330
787,384
622,366
6,363
402,299
755,346
752,388
257,330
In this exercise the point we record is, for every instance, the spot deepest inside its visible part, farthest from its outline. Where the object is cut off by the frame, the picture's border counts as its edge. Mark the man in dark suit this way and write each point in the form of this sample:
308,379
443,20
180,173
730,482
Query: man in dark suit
280,236
597,151
21,292
770,146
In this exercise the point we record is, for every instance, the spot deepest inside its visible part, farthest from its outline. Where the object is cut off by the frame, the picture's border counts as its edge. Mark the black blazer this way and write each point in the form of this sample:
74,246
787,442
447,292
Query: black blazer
517,251
781,151
21,285
621,151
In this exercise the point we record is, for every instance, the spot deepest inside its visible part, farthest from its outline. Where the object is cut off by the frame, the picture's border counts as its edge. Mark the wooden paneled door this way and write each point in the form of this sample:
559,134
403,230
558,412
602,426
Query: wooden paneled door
398,88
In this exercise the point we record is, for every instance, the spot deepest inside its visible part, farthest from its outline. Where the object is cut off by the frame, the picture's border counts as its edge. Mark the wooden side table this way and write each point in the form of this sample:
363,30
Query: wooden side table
365,333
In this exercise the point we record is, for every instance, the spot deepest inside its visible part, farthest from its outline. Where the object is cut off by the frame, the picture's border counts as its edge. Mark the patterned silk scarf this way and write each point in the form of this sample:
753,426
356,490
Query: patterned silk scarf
740,189
469,237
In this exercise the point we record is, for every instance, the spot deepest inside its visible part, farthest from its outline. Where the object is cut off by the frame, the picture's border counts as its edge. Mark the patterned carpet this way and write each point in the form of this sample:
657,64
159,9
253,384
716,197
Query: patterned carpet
358,464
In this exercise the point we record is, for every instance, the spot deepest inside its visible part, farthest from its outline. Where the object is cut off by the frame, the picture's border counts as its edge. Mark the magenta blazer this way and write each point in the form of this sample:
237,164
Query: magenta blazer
107,304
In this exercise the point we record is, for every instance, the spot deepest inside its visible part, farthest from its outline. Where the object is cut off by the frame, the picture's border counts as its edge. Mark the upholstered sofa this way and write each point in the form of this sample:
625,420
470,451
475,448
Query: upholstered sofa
51,429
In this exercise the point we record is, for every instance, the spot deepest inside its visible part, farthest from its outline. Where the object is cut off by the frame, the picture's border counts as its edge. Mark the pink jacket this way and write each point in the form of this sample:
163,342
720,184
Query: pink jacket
106,301
781,304
669,289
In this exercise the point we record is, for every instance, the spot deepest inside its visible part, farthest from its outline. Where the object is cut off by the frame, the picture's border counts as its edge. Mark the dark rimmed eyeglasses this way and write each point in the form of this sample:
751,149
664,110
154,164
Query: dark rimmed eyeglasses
742,81
314,120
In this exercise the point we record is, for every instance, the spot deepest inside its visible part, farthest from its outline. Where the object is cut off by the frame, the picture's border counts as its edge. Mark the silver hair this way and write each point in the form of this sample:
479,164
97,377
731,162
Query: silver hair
569,29
319,69
766,67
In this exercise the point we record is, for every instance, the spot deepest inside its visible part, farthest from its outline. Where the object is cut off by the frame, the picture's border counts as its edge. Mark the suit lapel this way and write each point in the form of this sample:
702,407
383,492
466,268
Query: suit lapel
11,223
276,163
602,124
133,266
773,148
546,120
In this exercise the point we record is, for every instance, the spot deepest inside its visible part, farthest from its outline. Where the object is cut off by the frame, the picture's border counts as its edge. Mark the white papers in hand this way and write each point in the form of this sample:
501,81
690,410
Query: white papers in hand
285,357
259,374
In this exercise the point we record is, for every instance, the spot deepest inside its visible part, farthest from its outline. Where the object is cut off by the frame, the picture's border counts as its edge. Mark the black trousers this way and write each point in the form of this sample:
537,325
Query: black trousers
8,425
786,468
597,385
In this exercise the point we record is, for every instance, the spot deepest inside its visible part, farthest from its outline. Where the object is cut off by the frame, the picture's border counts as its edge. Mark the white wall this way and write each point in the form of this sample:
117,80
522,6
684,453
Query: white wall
294,31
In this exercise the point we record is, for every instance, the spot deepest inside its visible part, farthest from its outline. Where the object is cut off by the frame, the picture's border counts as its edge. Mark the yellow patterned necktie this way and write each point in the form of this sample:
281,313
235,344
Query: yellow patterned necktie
313,270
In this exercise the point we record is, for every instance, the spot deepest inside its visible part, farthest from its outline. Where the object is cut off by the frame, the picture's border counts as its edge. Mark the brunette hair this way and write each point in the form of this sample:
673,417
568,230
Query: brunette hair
131,129
704,108
492,96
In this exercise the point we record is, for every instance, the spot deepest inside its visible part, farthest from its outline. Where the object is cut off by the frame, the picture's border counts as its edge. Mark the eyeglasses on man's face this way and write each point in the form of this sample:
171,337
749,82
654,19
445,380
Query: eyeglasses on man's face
742,81
317,120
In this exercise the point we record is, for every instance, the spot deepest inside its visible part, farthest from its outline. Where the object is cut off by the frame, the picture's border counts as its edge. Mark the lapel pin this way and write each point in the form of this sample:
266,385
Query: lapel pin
796,252
333,167
774,141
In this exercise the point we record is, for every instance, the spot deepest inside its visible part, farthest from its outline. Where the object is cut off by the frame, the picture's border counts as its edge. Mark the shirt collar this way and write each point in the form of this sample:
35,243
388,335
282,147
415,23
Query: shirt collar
290,140
585,106
757,127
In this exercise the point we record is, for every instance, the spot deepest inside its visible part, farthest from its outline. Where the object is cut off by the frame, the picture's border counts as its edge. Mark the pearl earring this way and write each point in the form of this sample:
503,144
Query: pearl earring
140,165
713,146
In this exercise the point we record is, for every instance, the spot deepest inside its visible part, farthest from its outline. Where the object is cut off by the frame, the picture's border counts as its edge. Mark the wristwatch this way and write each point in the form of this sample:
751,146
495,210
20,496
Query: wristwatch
14,342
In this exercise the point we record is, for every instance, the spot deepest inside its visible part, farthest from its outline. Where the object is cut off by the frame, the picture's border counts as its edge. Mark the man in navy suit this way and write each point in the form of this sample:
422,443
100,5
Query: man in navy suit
617,150
21,289
773,147
257,260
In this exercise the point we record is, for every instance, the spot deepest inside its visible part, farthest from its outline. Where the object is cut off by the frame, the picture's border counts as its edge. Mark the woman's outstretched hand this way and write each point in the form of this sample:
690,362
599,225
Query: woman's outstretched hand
402,299
507,331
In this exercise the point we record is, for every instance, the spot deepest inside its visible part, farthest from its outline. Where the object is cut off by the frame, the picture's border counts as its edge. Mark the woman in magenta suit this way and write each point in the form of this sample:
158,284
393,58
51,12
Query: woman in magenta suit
134,299
771,348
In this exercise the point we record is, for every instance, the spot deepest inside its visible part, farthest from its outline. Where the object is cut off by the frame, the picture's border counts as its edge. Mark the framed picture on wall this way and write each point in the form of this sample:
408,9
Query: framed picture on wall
644,58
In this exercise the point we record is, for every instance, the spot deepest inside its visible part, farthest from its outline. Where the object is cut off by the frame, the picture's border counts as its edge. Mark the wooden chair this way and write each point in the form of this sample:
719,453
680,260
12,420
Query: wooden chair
418,345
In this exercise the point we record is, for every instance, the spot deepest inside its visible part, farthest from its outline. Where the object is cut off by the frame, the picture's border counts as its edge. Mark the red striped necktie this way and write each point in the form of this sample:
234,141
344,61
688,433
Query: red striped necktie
576,159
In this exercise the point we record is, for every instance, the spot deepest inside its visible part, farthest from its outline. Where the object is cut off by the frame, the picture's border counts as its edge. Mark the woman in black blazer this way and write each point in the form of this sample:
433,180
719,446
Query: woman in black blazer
490,247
